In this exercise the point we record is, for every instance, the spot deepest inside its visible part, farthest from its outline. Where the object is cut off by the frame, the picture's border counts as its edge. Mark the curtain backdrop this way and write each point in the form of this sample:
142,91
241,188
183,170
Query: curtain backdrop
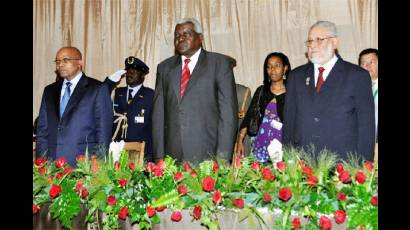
108,31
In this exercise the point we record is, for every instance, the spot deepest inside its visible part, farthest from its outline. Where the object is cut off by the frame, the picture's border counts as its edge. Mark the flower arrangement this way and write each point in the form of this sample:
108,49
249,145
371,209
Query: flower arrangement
304,188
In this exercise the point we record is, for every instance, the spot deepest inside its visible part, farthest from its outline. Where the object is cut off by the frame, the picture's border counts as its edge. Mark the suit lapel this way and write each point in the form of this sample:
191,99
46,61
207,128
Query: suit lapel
78,93
175,77
309,81
56,96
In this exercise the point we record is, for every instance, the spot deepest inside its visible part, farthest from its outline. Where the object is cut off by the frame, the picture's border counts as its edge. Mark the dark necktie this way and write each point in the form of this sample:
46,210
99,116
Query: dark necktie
320,80
185,76
65,98
130,96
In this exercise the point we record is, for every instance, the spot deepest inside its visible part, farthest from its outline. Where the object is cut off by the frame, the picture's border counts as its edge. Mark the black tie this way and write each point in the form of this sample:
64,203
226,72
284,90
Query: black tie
129,96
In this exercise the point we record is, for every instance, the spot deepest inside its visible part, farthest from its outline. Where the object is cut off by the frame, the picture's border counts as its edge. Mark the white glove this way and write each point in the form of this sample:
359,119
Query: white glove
116,77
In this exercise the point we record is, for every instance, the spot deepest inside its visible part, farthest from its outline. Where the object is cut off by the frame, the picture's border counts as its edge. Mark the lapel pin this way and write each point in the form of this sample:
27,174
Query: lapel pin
307,80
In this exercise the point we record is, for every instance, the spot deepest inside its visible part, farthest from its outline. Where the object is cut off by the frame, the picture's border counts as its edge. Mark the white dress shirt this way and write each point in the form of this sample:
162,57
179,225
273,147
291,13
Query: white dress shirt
192,63
328,67
73,81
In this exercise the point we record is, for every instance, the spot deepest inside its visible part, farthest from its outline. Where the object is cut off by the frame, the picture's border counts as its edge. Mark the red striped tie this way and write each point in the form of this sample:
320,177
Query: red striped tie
320,79
185,76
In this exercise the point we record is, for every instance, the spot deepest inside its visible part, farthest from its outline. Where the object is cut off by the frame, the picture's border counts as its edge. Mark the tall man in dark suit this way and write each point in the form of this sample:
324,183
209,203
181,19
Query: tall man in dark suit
329,101
75,113
195,105
133,105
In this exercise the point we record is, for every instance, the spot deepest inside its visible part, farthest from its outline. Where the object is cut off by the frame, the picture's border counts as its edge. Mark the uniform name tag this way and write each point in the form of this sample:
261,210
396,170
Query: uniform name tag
276,124
139,119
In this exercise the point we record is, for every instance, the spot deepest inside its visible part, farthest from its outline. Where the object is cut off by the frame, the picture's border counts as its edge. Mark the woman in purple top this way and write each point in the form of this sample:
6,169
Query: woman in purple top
271,96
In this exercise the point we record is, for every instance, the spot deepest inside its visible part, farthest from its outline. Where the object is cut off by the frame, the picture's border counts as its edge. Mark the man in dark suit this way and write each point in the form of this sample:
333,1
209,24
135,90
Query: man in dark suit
329,101
133,104
75,113
195,105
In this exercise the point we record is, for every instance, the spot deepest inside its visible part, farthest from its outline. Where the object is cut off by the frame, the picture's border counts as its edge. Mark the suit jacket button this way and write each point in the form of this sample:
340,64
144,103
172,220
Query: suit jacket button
316,119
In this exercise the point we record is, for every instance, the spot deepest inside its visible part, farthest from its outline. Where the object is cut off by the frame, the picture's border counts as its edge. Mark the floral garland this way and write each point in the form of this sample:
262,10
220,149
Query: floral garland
301,186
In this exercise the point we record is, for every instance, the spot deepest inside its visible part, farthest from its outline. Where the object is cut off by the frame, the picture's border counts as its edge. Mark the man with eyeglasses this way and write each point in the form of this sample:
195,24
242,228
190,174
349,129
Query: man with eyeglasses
329,102
75,112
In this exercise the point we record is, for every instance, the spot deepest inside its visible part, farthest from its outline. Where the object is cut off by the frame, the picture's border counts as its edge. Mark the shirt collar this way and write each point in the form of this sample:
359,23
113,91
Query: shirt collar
194,58
328,65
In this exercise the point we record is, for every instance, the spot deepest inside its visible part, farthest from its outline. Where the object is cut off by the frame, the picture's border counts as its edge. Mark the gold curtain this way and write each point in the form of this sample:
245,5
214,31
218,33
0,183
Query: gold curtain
108,31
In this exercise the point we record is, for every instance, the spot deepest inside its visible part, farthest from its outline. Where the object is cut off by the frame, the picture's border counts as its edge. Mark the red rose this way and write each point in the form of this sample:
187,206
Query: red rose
267,174
325,223
67,170
312,181
150,211
368,165
182,189
80,157
215,167
49,179
161,163
360,227
341,196
122,182
285,194
123,213
281,166
360,177
158,171
197,212
208,184
84,193
160,209
117,166
193,173
307,170
61,162
339,168
35,208
238,202
187,167
59,175
340,216
296,223
149,166
42,171
176,216
79,186
55,190
216,197
111,200
178,176
255,165
374,200
131,166
344,177
40,162
267,197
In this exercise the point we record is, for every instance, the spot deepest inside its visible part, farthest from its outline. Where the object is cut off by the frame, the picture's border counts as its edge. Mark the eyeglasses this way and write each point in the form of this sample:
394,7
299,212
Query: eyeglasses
65,60
317,40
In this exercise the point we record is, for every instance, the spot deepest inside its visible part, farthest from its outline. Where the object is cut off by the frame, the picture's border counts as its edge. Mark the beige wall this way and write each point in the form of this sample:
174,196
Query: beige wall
107,31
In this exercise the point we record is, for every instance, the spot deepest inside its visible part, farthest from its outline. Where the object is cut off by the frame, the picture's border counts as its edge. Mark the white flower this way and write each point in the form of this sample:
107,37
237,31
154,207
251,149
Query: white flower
115,149
275,151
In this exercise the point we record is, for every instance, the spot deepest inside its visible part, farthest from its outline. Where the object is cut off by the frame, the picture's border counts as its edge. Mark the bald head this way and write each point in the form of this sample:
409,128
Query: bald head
68,62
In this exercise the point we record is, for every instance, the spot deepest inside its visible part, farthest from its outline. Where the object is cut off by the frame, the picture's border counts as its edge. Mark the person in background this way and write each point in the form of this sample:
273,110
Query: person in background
369,60
133,105
195,105
75,113
271,98
244,97
329,102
